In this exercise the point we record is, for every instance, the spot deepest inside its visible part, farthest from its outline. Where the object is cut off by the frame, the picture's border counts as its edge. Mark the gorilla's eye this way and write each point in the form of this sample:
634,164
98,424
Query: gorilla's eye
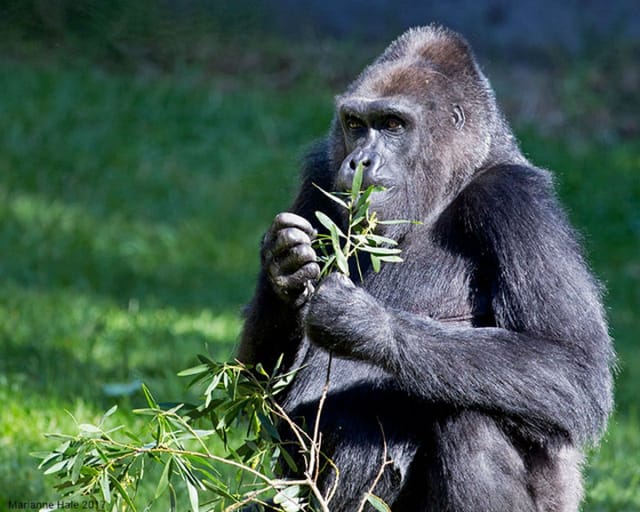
393,124
353,123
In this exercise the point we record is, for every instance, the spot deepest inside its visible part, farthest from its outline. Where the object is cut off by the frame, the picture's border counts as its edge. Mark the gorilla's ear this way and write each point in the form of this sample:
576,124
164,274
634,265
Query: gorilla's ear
457,116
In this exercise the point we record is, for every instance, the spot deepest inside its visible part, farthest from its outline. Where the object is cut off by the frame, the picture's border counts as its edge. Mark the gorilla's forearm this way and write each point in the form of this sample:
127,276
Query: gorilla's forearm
272,327
544,382
553,385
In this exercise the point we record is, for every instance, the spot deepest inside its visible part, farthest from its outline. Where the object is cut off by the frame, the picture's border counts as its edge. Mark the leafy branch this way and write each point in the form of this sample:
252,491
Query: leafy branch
108,465
336,247
242,416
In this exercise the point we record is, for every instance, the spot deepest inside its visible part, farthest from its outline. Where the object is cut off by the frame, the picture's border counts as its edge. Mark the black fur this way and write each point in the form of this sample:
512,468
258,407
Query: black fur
484,356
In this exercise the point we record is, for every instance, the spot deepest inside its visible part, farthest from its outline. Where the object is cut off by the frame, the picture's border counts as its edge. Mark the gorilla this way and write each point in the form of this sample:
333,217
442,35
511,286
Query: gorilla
481,365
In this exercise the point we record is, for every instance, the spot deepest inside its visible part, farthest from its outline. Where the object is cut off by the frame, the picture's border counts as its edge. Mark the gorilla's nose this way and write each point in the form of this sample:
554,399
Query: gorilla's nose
370,160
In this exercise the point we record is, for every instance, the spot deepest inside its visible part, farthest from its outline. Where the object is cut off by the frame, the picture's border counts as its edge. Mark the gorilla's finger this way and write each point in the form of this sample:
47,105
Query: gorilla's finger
297,257
291,220
288,238
293,284
308,272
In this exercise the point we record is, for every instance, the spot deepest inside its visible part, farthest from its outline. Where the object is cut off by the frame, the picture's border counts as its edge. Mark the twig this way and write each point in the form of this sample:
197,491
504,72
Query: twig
385,462
315,451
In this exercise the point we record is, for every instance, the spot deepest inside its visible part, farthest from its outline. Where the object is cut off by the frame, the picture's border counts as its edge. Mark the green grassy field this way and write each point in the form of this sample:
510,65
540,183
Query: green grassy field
131,207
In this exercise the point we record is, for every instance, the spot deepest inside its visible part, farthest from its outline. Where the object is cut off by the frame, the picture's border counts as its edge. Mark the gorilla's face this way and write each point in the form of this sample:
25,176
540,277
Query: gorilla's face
379,134
420,120
404,144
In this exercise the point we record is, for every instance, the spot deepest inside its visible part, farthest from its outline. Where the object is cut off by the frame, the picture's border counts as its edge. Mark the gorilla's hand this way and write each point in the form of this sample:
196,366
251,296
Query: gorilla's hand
288,258
347,320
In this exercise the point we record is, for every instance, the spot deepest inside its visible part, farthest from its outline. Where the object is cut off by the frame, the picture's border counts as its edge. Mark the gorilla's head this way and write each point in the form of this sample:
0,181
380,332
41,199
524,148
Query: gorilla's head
421,119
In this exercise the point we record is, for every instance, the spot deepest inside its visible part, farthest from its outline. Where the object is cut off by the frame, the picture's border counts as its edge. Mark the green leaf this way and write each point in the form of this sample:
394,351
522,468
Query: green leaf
381,239
276,367
146,412
187,474
78,463
61,437
46,457
361,205
58,466
361,212
268,425
173,500
163,483
327,265
290,462
125,496
379,251
110,412
64,446
322,244
288,498
132,436
201,368
356,183
335,241
91,429
260,369
104,485
391,259
208,361
329,224
282,381
399,221
331,196
375,263
215,381
341,260
193,496
149,397
171,407
357,220
377,503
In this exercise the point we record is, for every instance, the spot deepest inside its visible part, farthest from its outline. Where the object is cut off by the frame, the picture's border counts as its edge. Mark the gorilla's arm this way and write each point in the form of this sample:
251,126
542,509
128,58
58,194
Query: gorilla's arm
273,320
271,328
546,364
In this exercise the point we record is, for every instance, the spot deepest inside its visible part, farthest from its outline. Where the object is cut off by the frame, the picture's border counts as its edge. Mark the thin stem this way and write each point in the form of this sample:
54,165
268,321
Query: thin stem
314,457
385,462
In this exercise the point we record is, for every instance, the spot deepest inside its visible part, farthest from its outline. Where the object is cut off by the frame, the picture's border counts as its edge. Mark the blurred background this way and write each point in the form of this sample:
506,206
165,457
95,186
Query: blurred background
145,147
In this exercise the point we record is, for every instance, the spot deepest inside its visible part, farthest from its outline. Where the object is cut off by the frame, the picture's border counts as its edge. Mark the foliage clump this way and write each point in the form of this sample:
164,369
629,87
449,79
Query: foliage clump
337,247
239,413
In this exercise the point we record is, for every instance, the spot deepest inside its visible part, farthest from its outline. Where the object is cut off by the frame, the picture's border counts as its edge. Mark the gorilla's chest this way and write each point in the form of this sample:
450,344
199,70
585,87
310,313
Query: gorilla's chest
437,282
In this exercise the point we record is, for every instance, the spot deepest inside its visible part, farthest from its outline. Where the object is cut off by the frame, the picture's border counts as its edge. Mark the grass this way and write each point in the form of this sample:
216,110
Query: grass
131,210
131,207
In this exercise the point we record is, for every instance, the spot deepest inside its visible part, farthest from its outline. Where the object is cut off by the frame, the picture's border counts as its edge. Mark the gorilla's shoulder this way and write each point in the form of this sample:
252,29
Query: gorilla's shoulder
511,203
511,179
509,190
